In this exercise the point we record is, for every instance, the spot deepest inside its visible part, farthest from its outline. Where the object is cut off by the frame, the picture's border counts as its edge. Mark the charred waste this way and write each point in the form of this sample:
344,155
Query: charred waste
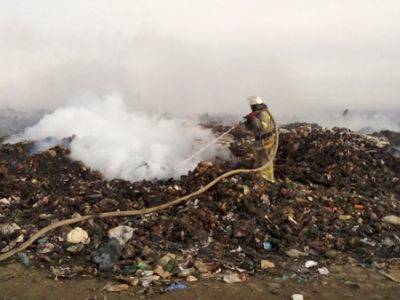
336,196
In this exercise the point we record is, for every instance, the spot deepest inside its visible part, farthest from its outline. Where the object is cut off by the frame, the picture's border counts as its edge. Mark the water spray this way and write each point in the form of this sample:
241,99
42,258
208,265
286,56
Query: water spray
129,213
198,152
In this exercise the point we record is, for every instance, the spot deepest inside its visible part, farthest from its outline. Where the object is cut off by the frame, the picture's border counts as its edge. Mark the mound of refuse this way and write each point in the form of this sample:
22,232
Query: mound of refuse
337,195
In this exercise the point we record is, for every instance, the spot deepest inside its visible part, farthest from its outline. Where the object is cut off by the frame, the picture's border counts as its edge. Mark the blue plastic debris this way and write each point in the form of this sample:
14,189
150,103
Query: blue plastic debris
176,286
25,259
108,255
267,246
42,241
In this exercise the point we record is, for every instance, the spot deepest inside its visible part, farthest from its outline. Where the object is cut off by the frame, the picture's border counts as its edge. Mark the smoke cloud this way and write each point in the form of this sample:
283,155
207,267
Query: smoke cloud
360,121
307,59
121,143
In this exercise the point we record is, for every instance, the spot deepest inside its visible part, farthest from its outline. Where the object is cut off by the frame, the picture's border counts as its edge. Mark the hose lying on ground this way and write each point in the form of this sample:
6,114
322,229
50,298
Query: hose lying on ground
143,211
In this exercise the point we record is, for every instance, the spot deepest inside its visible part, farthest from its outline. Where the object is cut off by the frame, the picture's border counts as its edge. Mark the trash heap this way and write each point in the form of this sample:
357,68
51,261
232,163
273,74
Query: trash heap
392,136
337,195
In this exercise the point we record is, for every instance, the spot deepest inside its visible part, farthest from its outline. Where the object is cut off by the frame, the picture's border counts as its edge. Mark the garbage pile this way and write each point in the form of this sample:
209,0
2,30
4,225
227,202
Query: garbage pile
393,137
336,196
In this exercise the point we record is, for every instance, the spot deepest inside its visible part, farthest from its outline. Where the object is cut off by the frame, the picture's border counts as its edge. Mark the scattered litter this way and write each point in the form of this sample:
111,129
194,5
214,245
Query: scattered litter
144,266
176,286
317,207
246,190
77,236
191,278
201,266
147,273
234,277
266,264
5,202
161,272
109,287
132,281
108,255
395,220
167,259
25,259
345,217
146,281
323,271
294,253
297,297
8,229
46,248
75,248
121,233
187,272
267,246
310,264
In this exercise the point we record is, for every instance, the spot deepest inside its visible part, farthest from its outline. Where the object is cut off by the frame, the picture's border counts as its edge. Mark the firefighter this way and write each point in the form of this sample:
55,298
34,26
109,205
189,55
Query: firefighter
259,121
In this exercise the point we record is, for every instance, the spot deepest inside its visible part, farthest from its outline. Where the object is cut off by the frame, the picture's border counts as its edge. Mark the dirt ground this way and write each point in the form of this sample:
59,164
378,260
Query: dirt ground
344,282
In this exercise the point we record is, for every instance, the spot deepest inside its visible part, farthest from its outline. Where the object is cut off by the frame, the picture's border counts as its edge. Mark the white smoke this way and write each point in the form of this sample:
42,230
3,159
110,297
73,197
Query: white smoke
360,121
366,123
125,144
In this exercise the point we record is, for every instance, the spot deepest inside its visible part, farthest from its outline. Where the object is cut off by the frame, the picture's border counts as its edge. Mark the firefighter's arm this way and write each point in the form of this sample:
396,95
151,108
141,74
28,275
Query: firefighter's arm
250,121
265,122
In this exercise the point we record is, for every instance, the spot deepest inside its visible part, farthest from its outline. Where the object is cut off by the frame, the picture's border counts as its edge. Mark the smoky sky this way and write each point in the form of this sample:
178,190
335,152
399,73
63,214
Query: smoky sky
201,55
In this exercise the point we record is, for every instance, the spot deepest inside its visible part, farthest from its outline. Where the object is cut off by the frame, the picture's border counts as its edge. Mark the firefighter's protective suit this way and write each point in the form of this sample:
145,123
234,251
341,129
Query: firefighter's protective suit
260,123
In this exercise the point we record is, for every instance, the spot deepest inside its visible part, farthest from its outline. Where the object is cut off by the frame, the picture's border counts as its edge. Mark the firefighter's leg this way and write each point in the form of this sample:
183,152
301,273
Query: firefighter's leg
258,155
268,172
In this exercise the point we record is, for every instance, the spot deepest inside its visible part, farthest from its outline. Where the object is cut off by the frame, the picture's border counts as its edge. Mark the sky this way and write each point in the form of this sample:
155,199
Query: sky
202,56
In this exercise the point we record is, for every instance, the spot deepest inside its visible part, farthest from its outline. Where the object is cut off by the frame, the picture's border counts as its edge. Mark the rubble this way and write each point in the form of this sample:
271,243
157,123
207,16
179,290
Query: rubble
146,281
77,236
108,255
191,278
266,264
294,253
310,264
25,259
159,270
8,229
234,278
115,287
323,271
391,136
333,194
395,220
176,286
121,233
187,272
297,297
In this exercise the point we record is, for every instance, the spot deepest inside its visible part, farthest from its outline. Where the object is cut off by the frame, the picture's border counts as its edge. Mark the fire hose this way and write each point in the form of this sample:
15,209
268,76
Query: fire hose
143,211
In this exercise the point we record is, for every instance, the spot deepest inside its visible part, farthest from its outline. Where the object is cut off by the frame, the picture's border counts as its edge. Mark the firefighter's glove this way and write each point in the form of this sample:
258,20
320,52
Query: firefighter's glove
250,116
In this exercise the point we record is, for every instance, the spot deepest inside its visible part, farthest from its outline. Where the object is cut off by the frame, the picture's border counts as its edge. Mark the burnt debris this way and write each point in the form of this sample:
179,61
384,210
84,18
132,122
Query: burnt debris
334,188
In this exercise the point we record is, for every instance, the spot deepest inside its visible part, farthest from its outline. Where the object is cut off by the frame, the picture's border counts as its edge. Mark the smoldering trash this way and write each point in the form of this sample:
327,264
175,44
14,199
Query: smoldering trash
333,191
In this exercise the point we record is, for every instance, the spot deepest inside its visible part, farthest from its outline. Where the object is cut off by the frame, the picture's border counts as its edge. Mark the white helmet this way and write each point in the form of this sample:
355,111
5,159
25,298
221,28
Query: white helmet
253,100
